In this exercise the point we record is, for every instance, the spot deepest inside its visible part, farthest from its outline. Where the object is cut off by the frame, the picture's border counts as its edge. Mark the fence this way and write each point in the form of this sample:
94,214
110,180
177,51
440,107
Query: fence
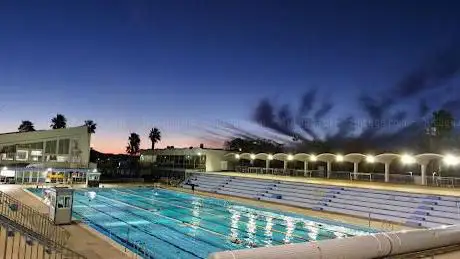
31,219
435,181
18,242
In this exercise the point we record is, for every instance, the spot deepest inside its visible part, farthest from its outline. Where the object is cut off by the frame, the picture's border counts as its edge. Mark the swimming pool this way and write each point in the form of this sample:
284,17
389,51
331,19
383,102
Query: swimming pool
160,223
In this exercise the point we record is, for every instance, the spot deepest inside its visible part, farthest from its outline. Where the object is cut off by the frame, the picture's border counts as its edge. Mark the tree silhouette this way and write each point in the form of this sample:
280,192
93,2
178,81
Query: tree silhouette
154,136
58,122
26,126
134,143
91,126
253,145
442,123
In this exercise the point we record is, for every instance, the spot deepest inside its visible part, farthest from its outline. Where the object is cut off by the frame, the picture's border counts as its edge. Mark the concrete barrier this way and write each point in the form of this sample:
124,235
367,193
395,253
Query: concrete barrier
358,247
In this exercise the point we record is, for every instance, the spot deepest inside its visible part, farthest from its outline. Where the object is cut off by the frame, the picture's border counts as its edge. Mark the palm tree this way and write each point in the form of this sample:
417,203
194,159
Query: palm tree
134,143
154,136
58,122
91,126
26,126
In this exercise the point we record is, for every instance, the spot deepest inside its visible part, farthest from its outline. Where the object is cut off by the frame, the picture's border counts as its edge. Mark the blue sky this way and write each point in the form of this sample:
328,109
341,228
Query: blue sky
179,65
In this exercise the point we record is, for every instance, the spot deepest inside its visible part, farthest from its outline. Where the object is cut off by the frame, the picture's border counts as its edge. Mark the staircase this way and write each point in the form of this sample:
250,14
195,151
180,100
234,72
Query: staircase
26,233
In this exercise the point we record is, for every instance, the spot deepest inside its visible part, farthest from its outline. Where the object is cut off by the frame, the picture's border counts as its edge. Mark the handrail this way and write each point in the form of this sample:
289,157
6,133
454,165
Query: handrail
31,219
14,226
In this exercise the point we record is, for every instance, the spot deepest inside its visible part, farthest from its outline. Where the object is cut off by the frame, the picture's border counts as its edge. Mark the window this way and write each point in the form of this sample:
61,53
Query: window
60,202
21,155
67,201
51,158
37,145
51,147
62,158
64,145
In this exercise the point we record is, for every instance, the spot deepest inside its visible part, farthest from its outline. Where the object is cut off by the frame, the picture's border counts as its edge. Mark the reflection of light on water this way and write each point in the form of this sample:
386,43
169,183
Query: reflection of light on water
290,226
251,227
268,230
92,195
339,235
196,220
234,223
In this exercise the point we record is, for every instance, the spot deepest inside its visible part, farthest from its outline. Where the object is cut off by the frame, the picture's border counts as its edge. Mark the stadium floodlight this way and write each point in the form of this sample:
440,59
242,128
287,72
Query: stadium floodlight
407,159
339,158
237,156
270,157
313,158
451,160
290,157
370,159
253,156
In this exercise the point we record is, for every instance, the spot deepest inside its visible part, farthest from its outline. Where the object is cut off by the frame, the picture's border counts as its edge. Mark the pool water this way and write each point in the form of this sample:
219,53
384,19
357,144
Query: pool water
158,223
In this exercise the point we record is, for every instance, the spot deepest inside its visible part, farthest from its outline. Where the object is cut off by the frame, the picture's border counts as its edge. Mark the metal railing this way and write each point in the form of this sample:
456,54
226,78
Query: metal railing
435,181
19,242
32,220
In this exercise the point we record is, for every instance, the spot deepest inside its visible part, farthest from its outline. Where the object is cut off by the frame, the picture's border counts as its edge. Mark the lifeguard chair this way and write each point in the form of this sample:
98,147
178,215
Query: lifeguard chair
61,201
93,178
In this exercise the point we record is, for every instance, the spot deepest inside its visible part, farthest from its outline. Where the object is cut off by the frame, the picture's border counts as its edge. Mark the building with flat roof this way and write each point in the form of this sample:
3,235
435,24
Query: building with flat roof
202,159
59,148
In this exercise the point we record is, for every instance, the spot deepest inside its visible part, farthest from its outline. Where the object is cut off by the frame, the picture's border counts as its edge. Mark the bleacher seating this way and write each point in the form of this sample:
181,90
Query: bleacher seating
419,210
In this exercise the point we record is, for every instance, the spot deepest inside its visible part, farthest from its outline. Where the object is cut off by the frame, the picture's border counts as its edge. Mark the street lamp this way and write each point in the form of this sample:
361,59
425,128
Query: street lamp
370,159
290,157
237,156
270,157
451,160
253,156
339,158
313,158
407,159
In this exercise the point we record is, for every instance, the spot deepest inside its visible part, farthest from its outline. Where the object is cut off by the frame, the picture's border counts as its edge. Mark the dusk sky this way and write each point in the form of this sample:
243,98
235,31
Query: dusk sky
182,66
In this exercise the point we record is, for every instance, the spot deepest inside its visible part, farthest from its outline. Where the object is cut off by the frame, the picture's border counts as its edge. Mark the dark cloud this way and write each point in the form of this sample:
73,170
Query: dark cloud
325,108
307,102
423,107
437,69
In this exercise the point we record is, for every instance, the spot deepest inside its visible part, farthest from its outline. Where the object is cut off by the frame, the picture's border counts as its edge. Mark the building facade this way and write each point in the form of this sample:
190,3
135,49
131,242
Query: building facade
202,159
63,148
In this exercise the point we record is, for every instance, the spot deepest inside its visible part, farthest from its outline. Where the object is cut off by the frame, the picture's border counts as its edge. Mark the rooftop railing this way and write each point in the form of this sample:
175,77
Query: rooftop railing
435,181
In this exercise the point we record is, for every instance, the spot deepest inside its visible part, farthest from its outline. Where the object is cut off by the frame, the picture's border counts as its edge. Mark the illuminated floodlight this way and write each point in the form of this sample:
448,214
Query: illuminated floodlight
451,160
370,159
94,170
253,156
407,159
237,156
339,158
270,157
49,169
199,153
290,157
313,158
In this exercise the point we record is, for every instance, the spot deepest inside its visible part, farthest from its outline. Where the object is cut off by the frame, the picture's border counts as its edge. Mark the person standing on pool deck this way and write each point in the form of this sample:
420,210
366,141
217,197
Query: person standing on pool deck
193,187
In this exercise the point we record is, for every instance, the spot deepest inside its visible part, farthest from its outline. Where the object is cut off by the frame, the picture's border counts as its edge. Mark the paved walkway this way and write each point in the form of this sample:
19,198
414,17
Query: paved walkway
347,183
83,240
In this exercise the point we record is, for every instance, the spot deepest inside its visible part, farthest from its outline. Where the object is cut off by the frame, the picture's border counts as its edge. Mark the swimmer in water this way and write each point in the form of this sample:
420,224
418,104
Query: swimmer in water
253,245
236,241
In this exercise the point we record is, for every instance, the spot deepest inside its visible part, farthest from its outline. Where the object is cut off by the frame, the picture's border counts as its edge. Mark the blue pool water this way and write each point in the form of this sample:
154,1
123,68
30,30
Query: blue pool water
168,224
